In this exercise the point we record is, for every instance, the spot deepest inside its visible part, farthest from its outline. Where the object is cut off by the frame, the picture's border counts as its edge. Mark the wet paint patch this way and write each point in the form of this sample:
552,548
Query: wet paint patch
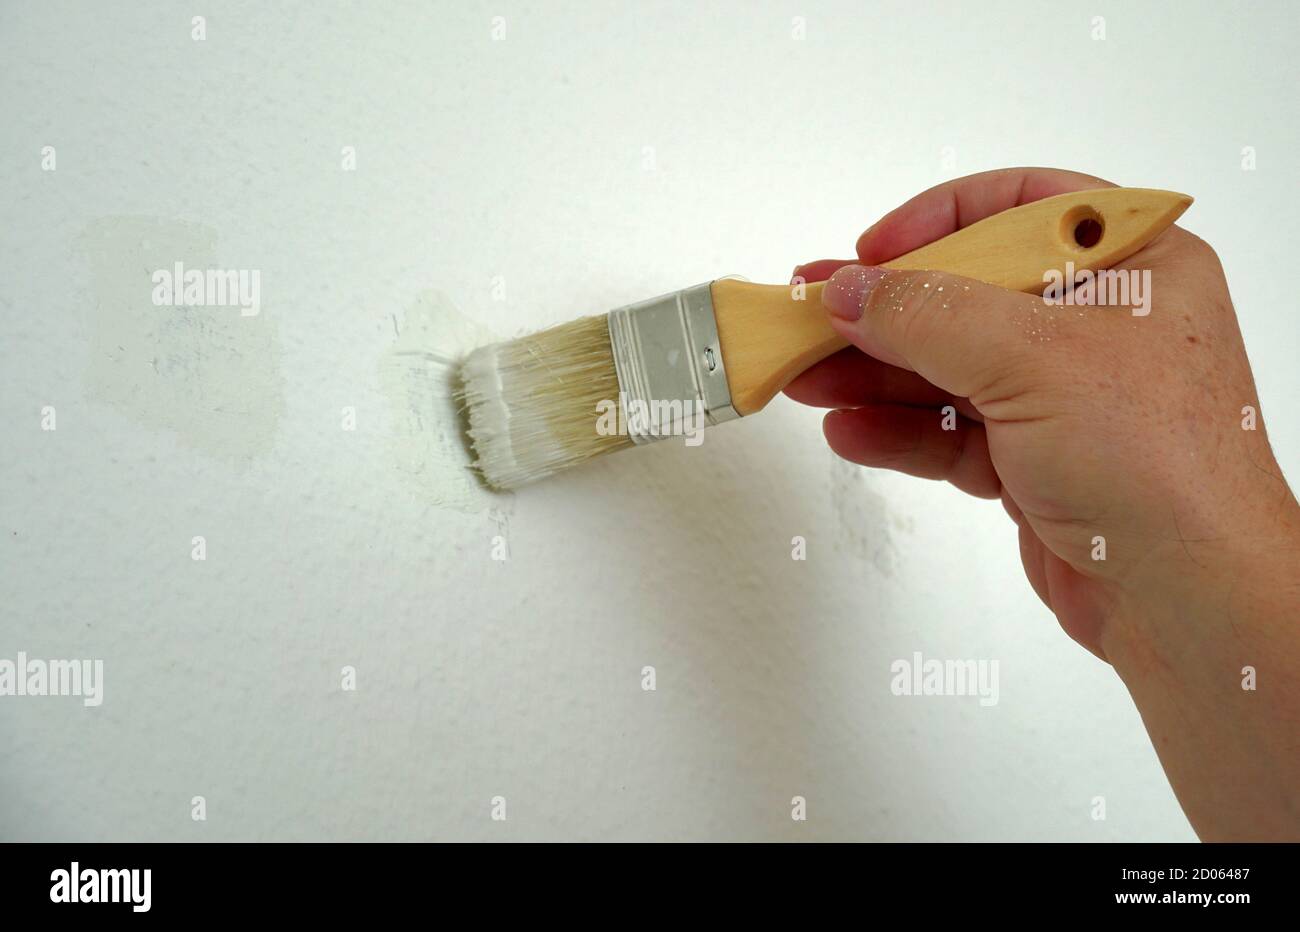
419,378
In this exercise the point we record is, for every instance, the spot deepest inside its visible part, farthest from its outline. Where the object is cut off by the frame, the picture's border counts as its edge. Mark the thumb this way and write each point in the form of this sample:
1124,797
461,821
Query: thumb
969,338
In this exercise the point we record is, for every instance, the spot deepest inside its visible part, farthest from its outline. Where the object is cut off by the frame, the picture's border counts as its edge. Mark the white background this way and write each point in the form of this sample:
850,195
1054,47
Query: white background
599,154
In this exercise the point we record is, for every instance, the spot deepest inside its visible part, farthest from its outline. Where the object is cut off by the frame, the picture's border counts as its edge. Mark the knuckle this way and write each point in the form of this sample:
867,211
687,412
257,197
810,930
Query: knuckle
1203,255
1189,252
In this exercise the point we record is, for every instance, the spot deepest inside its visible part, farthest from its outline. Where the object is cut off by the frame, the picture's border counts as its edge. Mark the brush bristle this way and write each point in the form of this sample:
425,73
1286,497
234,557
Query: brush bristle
533,402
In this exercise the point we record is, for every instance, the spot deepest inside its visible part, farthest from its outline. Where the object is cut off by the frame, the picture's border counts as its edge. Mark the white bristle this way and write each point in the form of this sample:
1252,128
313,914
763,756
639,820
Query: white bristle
533,403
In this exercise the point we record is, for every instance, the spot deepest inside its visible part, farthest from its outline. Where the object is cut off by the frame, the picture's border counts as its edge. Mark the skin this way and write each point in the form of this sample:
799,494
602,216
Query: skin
1087,423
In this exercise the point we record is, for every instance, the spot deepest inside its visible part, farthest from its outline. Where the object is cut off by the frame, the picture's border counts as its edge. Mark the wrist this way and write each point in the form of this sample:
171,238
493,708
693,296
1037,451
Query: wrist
1209,657
1203,596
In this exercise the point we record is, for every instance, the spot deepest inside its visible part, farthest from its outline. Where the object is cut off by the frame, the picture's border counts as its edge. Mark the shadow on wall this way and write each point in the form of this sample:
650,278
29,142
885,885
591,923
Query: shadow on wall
770,642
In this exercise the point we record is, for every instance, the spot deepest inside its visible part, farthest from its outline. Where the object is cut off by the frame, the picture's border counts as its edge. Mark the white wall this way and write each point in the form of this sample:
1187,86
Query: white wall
527,159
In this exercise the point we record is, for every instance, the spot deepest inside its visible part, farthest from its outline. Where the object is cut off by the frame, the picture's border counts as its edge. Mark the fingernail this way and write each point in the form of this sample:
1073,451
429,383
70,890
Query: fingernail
846,291
797,273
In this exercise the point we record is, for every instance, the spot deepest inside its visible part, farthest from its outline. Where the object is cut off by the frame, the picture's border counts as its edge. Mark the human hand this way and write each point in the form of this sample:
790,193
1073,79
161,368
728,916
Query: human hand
1128,448
1088,422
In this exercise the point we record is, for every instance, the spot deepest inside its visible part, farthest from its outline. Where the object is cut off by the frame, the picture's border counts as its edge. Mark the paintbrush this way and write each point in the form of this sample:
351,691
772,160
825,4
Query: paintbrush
721,350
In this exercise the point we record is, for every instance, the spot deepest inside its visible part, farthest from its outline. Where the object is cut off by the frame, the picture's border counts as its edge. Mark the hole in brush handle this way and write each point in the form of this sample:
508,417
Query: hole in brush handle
1083,227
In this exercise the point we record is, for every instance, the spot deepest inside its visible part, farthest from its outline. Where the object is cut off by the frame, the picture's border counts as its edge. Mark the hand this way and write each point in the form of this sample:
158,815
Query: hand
1128,449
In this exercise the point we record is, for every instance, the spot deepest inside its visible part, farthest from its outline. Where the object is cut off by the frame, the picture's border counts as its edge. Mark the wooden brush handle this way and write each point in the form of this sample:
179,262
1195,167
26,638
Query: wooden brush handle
768,335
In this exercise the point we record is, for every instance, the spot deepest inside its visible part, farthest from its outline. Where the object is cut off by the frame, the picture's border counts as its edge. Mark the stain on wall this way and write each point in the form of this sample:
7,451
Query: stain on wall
208,374
863,525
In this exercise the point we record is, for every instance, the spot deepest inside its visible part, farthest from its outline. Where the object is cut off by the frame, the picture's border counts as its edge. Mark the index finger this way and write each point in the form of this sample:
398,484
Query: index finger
949,207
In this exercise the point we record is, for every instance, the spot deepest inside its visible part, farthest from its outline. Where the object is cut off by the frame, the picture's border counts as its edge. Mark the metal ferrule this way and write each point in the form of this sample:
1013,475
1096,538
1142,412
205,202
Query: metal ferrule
670,374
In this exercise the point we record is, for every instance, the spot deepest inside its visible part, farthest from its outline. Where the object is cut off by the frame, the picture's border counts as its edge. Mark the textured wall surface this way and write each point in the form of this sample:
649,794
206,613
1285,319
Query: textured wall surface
411,179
